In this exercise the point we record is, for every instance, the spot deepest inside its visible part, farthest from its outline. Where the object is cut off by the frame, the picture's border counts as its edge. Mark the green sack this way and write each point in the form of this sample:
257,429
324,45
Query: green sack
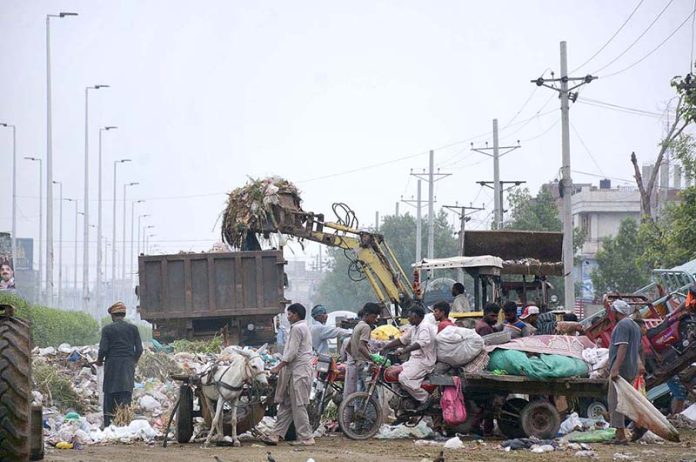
539,367
594,436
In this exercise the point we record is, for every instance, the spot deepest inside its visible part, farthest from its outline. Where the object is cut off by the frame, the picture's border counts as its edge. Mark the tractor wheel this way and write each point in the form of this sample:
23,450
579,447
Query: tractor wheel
15,386
540,419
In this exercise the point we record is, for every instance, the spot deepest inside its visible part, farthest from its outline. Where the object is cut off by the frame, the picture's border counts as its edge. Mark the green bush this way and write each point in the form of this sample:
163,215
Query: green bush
198,346
51,326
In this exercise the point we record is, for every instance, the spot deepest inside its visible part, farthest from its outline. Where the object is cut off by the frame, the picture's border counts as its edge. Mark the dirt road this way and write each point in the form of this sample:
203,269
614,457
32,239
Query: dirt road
339,449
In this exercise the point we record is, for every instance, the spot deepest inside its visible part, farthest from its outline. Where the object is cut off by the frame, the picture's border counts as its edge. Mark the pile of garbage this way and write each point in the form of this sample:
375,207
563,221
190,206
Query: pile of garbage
249,208
68,385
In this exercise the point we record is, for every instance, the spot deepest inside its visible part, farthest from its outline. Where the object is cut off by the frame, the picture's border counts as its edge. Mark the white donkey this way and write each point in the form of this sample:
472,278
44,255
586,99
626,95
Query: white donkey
224,384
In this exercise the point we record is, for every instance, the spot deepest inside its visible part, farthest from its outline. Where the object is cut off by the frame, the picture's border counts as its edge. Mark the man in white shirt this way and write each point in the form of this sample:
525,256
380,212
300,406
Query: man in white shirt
460,304
420,342
321,333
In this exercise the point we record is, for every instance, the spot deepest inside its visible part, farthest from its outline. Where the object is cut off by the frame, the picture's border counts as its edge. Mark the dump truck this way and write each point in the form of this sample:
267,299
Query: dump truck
199,295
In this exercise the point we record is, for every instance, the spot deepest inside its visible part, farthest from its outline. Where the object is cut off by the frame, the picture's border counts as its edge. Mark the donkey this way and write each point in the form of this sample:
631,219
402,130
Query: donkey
225,385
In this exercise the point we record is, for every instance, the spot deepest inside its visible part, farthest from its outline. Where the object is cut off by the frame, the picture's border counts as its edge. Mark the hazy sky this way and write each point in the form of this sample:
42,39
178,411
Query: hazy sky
207,93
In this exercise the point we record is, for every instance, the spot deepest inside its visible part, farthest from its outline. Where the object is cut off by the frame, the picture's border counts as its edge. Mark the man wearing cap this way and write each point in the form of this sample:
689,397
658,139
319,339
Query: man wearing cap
119,351
321,333
529,317
624,361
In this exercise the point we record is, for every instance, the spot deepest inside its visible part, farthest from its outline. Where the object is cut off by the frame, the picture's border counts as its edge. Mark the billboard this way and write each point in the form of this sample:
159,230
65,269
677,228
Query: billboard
7,282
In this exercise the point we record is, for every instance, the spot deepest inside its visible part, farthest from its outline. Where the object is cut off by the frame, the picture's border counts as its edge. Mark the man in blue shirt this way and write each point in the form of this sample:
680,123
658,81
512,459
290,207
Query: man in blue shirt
321,333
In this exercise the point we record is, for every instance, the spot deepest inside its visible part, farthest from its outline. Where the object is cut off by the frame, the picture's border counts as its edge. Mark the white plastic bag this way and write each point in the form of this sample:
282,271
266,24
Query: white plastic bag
571,423
457,346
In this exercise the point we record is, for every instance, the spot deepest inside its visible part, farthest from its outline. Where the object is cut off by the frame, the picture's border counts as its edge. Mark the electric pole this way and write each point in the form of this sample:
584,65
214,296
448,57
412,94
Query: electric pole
566,94
499,195
463,218
497,186
431,177
418,205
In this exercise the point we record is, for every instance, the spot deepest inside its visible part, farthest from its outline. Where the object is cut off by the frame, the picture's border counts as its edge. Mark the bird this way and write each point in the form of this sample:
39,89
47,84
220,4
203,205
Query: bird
441,457
217,459
269,457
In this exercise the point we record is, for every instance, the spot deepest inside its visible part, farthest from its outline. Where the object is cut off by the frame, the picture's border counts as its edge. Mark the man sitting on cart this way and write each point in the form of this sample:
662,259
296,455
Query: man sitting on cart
513,324
420,342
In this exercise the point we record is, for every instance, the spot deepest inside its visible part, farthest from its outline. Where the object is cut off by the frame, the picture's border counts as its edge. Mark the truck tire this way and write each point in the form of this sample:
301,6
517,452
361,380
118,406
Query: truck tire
15,387
508,417
184,415
37,440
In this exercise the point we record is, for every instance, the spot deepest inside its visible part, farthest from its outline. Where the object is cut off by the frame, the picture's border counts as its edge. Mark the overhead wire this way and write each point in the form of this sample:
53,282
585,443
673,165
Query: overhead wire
548,129
636,40
654,49
610,38
587,150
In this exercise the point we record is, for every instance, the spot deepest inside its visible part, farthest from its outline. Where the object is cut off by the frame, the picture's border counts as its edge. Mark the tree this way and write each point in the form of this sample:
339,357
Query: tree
685,114
529,213
618,262
338,291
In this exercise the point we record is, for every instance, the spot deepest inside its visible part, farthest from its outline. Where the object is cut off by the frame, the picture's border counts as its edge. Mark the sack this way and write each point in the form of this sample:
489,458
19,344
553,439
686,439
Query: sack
636,407
541,367
452,403
457,346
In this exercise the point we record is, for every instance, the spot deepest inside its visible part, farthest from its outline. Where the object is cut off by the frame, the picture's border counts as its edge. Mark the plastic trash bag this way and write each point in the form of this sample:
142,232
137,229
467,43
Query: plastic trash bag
635,406
457,346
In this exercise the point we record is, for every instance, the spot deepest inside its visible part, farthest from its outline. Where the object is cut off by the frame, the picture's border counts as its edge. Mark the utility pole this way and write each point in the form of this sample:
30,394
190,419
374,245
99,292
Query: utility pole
396,209
431,177
566,95
500,192
463,218
417,203
377,222
497,186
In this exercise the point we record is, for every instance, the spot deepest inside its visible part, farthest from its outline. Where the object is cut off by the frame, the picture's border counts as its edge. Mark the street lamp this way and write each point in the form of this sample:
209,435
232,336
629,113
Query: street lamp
99,217
139,228
123,254
147,241
76,247
145,237
60,244
36,159
85,249
133,204
113,240
14,193
49,157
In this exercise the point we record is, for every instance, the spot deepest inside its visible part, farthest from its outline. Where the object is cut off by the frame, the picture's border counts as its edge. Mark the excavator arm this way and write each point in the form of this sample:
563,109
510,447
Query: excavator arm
371,257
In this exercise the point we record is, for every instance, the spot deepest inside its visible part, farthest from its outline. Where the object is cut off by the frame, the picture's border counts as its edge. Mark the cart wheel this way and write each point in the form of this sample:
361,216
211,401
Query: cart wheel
595,409
540,419
508,417
184,415
360,416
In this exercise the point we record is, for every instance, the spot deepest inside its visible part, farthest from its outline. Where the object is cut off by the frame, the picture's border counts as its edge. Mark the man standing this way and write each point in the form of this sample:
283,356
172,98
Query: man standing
358,350
321,333
295,380
487,324
624,361
441,311
460,304
420,342
119,351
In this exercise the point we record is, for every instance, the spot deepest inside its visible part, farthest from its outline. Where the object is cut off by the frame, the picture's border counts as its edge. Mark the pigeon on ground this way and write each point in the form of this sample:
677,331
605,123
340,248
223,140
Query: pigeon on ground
441,457
217,459
269,457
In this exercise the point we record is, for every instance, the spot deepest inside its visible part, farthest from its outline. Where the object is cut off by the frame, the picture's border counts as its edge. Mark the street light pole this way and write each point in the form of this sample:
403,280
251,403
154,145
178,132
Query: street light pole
123,253
85,248
14,193
139,228
113,237
99,220
145,231
60,245
36,159
76,246
49,159
133,204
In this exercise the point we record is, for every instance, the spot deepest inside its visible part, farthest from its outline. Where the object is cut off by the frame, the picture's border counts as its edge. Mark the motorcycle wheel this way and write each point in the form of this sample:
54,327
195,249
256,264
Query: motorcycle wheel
356,424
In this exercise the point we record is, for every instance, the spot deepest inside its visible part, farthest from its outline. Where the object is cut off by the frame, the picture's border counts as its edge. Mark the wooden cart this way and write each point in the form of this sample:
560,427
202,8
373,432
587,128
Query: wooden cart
523,406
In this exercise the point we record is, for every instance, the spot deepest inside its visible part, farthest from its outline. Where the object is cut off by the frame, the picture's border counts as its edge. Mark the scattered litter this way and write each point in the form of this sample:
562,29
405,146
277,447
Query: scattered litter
527,443
590,454
393,432
454,443
651,438
622,456
540,448
690,412
571,423
427,443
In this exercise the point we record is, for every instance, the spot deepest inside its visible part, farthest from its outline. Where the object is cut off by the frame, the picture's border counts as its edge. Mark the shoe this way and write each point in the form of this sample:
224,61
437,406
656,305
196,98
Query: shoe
270,440
307,442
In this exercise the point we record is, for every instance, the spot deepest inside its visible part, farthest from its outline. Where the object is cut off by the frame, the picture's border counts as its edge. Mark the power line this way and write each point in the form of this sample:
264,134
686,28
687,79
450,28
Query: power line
542,133
654,49
610,38
586,148
636,40
618,106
